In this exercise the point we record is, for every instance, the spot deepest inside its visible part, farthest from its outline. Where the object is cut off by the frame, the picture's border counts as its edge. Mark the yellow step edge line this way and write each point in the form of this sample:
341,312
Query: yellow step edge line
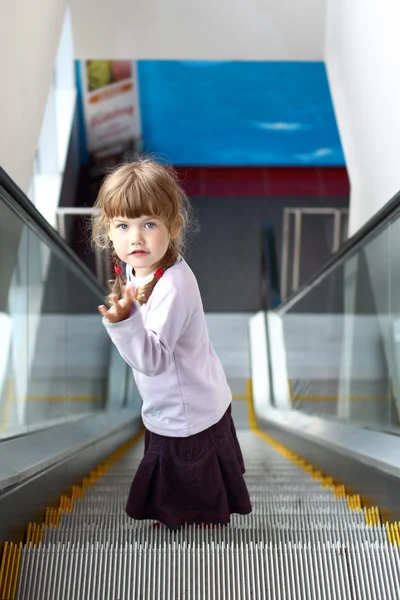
9,396
302,398
372,514
9,399
315,398
65,398
11,555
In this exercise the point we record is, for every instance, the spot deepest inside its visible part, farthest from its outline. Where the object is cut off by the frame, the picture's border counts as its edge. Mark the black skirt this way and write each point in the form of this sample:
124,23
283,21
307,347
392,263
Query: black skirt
195,479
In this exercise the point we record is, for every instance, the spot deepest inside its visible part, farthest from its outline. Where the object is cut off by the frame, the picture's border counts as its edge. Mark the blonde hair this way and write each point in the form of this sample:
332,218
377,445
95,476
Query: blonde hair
142,187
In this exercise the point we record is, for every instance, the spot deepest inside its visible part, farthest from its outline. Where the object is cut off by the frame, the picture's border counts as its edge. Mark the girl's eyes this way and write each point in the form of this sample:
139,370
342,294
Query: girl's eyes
124,226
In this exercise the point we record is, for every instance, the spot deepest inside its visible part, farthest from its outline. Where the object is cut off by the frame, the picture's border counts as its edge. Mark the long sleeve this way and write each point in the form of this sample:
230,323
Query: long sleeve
148,344
179,377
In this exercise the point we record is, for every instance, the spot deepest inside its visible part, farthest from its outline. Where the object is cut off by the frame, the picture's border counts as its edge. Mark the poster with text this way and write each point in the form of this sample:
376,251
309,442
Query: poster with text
111,107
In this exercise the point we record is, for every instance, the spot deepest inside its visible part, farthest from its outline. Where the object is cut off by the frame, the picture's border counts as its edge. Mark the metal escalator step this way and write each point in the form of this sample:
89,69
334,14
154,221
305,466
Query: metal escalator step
211,571
300,543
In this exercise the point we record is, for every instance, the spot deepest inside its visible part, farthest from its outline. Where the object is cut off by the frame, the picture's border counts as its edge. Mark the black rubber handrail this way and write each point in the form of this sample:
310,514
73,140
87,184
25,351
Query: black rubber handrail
379,219
53,237
271,296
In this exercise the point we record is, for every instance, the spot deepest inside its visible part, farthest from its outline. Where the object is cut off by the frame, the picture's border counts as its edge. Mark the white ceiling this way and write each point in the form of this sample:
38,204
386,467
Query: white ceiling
206,30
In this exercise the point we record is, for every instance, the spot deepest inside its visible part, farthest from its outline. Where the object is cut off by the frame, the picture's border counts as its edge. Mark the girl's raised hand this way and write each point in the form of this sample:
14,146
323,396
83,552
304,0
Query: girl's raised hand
121,309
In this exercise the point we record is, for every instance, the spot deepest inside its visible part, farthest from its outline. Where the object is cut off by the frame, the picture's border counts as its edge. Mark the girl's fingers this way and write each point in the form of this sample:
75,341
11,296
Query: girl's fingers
102,310
114,300
131,292
120,308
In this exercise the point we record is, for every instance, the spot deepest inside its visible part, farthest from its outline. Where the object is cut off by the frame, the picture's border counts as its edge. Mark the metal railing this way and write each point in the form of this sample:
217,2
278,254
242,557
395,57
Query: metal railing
103,263
339,235
101,257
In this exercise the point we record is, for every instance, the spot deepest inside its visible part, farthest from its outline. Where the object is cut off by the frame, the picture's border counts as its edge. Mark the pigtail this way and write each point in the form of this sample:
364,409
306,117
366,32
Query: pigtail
170,258
117,284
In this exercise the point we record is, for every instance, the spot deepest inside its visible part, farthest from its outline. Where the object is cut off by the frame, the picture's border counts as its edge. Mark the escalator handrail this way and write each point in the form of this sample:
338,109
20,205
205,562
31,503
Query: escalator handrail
39,223
270,268
347,248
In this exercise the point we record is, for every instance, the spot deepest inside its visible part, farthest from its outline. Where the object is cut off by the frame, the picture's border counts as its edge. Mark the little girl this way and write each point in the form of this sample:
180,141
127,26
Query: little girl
192,469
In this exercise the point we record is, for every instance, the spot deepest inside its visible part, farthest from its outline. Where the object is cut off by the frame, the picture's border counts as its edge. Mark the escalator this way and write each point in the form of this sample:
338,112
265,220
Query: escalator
304,540
320,448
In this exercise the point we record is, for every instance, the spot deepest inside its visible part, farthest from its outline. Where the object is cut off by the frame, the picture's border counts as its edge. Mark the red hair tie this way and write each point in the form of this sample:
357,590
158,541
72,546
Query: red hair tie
118,270
159,273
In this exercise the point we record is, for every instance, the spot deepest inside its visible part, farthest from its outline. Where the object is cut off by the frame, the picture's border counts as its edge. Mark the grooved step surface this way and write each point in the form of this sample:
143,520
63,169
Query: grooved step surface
299,543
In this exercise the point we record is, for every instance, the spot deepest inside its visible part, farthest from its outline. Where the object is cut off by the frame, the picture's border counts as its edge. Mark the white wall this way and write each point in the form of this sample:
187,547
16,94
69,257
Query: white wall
29,36
206,29
363,63
361,52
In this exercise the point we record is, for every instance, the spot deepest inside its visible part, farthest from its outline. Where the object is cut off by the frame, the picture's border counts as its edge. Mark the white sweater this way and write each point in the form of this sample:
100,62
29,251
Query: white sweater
178,374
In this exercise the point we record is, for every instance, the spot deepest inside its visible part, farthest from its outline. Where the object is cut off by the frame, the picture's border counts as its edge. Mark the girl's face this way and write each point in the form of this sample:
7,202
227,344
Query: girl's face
141,242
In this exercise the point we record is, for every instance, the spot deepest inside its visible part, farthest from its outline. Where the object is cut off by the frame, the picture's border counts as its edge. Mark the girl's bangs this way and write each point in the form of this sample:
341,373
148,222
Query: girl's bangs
132,205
